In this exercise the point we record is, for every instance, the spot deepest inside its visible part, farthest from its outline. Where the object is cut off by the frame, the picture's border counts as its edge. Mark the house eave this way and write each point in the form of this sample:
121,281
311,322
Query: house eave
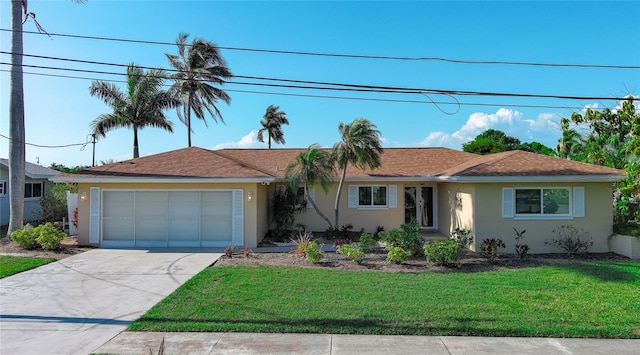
170,180
540,178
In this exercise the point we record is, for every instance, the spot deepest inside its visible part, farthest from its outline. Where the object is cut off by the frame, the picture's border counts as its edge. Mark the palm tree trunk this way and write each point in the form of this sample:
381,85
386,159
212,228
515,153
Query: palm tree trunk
335,207
16,123
187,117
315,207
269,134
136,154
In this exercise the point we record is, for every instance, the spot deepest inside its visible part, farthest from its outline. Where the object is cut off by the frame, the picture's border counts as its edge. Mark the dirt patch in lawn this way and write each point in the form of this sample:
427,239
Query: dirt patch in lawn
68,247
375,261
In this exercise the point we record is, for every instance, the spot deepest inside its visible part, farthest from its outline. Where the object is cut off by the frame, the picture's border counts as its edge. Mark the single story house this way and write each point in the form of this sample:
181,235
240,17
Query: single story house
215,198
36,185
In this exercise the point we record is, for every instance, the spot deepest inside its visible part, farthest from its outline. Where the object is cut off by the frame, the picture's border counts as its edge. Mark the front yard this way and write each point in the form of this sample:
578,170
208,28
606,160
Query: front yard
597,299
10,265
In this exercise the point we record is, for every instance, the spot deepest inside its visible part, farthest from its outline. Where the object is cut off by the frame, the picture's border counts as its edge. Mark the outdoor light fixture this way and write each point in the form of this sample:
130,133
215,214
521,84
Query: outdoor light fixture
83,196
250,195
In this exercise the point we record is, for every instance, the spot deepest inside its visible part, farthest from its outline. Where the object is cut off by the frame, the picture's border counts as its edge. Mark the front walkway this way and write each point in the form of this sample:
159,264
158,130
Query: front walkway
75,305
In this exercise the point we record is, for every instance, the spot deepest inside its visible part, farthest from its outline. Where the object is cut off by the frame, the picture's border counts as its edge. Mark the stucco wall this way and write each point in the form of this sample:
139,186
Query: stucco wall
250,207
456,207
489,223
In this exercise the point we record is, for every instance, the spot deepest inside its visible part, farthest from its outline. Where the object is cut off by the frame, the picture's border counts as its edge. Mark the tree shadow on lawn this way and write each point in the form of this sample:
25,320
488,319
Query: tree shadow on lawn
465,326
616,272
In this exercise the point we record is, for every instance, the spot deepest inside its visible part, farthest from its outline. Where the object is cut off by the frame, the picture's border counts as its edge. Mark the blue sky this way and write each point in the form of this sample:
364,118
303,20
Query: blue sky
59,110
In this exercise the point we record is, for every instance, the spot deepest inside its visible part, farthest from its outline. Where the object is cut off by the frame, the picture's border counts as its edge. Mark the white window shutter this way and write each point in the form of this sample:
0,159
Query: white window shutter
353,196
94,215
238,218
507,202
312,195
578,201
393,196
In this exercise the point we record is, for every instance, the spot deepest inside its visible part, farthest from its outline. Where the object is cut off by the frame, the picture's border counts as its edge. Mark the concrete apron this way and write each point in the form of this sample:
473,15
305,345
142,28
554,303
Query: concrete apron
75,305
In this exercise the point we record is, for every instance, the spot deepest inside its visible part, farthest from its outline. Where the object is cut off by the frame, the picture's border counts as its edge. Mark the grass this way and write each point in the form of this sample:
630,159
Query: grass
10,265
591,299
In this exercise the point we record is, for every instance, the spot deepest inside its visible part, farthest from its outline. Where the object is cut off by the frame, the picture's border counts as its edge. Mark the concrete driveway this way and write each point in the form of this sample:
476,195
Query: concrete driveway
75,305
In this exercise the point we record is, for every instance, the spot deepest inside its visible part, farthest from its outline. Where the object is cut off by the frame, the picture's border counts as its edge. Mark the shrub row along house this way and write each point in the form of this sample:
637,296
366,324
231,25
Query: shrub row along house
195,197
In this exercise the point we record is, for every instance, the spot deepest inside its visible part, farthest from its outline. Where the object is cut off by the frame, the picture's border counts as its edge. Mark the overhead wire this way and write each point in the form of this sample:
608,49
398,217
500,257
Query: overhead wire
353,56
47,146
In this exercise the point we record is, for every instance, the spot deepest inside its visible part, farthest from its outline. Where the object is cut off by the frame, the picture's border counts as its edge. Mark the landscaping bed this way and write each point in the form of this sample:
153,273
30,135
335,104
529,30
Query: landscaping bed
68,247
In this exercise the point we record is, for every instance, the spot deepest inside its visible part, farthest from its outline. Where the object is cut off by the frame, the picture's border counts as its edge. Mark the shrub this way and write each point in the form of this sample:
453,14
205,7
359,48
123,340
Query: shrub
312,253
25,238
397,255
285,204
48,236
463,237
367,242
53,205
301,243
406,237
228,251
571,240
521,249
443,253
489,248
352,252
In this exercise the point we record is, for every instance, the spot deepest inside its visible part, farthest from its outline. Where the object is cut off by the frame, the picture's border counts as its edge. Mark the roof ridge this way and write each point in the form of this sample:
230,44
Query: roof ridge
239,161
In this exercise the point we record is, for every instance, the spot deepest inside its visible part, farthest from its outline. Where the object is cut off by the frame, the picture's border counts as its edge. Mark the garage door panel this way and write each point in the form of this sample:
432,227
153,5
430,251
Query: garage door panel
151,204
117,230
216,230
216,204
151,230
118,204
184,205
184,230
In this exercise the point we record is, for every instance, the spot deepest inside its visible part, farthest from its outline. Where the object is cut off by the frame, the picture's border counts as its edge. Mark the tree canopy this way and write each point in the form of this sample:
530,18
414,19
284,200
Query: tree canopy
496,141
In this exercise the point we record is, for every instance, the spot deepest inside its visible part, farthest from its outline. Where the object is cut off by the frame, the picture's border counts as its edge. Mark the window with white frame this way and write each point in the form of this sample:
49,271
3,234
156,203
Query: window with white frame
3,188
543,202
33,189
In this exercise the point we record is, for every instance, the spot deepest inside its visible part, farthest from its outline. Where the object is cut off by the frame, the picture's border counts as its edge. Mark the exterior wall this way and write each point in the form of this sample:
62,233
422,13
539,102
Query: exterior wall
4,199
626,245
250,207
32,210
359,218
456,205
489,223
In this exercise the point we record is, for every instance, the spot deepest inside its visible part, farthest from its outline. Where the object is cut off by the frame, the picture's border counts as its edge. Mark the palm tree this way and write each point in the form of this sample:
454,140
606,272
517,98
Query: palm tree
272,122
570,142
142,105
196,66
312,167
360,146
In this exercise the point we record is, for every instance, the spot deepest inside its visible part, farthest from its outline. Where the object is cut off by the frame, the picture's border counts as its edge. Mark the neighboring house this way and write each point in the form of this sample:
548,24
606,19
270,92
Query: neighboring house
199,197
36,186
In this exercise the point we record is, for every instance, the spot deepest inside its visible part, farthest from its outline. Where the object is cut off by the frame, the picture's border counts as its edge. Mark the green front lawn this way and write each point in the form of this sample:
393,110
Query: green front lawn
590,299
10,265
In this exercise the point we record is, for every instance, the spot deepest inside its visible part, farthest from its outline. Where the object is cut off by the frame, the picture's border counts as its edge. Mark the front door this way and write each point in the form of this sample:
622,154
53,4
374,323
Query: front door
419,205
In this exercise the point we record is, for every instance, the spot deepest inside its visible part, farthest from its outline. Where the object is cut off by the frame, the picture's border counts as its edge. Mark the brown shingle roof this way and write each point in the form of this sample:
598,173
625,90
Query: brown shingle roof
441,163
521,163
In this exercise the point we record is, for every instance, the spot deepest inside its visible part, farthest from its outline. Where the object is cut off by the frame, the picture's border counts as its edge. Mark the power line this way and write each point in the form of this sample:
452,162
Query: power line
341,86
326,96
48,146
353,56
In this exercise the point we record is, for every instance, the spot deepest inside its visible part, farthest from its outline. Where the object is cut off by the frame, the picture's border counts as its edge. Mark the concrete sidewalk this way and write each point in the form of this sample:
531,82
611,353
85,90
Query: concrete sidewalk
263,343
75,305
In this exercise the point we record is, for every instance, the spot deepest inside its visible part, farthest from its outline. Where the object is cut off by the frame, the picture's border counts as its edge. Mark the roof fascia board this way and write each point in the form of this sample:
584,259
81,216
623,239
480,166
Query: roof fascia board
191,180
541,178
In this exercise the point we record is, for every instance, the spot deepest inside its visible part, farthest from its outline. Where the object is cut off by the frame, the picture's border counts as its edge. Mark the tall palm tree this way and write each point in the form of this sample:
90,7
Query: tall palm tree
360,146
199,69
272,122
312,167
569,144
142,105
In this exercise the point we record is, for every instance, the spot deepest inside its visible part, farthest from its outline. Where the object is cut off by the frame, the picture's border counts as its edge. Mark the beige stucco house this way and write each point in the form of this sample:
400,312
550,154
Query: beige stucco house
197,197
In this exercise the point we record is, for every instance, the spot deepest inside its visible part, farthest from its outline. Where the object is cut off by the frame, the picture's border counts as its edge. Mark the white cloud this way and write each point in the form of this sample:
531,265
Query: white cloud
544,128
593,106
248,141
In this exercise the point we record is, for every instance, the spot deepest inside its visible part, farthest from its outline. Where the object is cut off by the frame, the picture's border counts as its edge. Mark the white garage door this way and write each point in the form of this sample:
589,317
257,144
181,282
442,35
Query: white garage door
174,218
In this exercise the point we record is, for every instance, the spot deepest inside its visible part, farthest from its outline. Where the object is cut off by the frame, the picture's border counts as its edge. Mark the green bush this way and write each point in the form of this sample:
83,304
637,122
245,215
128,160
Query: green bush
352,252
463,237
45,235
489,248
406,237
367,242
48,236
25,238
397,255
312,253
443,252
521,249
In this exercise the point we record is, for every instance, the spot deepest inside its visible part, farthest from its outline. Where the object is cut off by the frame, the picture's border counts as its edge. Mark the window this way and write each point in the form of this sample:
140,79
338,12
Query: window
33,190
544,203
372,196
3,188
